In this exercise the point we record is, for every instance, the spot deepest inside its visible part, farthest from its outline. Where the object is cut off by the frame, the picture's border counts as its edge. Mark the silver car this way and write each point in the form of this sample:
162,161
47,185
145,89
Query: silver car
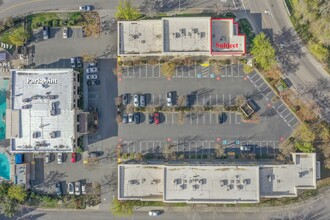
92,70
169,99
91,76
130,118
142,101
136,101
77,188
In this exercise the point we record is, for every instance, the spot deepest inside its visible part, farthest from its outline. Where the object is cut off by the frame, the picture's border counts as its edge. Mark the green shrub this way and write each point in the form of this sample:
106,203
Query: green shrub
55,23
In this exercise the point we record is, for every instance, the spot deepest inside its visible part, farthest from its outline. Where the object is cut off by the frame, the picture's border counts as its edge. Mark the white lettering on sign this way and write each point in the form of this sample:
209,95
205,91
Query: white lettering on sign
41,81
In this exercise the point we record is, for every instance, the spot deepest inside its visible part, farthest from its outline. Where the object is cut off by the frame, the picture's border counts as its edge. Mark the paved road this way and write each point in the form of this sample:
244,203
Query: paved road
312,209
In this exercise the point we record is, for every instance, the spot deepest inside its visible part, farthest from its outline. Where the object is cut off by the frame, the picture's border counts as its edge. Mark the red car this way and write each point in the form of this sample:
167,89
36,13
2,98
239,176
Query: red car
156,118
73,157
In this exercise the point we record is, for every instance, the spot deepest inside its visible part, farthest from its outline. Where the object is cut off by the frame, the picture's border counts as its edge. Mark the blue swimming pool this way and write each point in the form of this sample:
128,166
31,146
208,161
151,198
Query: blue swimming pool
3,88
4,167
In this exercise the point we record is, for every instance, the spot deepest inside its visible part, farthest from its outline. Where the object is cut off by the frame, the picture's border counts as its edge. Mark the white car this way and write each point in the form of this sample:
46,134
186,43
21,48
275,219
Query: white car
130,118
91,76
136,101
59,158
245,148
154,212
70,188
77,188
47,158
65,32
169,99
86,8
92,70
83,189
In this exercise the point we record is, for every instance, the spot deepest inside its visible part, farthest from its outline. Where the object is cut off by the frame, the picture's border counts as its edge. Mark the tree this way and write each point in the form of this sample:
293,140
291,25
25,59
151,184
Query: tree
247,68
122,208
138,156
263,52
319,51
125,11
168,152
304,134
219,150
19,36
168,69
305,147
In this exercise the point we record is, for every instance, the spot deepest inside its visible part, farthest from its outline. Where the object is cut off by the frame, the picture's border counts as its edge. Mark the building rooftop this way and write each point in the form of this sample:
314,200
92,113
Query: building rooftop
140,37
22,175
187,35
228,184
44,100
217,183
141,181
225,37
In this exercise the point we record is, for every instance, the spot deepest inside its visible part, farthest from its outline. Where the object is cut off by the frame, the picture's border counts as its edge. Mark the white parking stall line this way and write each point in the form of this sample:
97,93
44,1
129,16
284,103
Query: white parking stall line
190,118
165,118
229,117
286,116
210,99
236,117
176,72
197,118
203,99
229,102
216,99
172,118
283,111
211,117
291,119
160,100
226,71
294,126
140,72
280,106
203,119
231,69
255,82
253,76
159,76
268,93
223,99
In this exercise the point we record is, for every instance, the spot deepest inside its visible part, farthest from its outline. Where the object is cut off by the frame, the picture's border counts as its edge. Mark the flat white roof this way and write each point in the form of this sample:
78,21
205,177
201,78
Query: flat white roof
44,99
140,37
229,184
187,35
216,183
141,181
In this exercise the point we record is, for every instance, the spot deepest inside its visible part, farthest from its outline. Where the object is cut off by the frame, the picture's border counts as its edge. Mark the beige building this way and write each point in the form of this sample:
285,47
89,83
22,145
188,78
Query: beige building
42,114
192,36
216,183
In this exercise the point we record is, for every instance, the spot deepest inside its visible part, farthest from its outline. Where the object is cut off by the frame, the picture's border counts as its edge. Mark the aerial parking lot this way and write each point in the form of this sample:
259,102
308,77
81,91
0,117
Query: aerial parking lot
275,121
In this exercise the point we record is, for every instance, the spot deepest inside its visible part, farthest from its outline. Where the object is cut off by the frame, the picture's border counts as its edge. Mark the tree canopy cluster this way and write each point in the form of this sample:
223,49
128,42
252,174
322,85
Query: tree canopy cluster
11,196
125,11
263,52
312,19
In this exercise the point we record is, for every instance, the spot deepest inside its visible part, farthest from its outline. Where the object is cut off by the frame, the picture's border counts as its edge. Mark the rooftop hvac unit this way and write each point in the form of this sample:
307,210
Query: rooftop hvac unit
189,34
173,35
143,41
198,35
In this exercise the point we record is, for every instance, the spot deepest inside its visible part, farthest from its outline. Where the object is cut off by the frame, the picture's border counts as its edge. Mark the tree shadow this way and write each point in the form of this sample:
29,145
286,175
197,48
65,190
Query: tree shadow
288,49
319,93
50,180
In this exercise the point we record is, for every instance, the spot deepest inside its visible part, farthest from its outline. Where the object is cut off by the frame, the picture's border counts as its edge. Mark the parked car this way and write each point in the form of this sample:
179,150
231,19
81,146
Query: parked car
58,189
137,117
92,65
125,99
188,100
93,82
125,118
65,32
45,32
77,188
142,100
73,157
73,62
136,100
156,118
94,154
59,158
91,76
86,8
83,189
151,119
169,99
70,188
130,118
222,117
47,158
246,148
92,70
79,62
154,212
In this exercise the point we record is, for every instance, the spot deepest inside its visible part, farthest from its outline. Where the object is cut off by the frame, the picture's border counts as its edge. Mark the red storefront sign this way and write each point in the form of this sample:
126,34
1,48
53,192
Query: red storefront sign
226,45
